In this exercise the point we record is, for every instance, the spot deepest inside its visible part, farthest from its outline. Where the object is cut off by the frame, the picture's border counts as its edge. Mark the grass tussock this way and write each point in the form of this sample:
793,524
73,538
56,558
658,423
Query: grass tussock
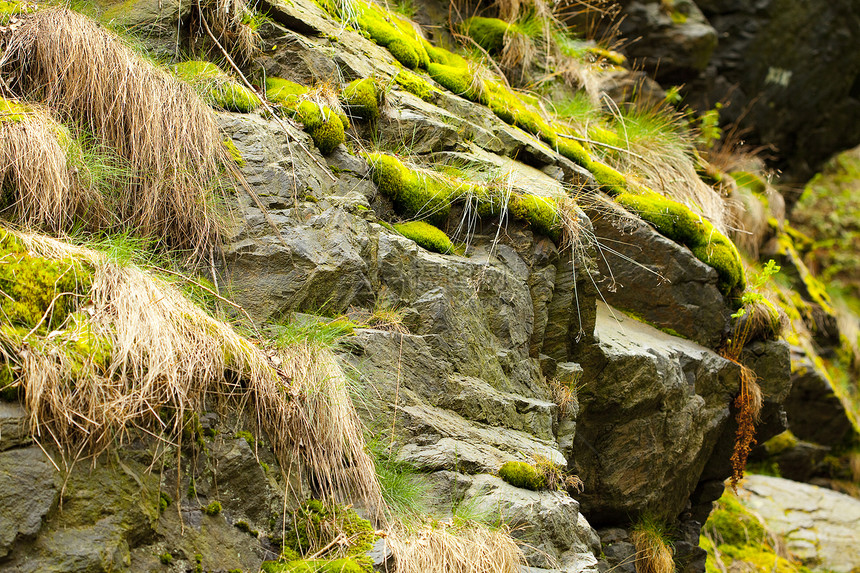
467,547
134,354
40,180
167,135
653,547
231,23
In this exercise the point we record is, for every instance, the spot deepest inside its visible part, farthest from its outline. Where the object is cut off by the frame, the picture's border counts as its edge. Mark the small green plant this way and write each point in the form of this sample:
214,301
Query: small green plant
164,502
709,127
165,558
402,487
243,526
213,509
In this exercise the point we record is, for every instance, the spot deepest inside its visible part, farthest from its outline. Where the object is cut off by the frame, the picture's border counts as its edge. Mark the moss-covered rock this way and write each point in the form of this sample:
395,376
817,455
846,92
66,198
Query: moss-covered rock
521,474
284,92
414,84
217,87
426,235
489,33
414,195
679,223
38,293
313,566
460,80
541,213
361,98
324,126
391,32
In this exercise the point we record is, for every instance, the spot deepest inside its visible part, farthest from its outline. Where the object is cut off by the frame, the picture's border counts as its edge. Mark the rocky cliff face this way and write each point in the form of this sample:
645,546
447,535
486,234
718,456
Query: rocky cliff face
601,359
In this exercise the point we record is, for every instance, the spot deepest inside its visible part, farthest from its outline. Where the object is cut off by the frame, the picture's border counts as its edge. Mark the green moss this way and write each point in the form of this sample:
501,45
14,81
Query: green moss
216,87
243,526
247,436
733,524
611,56
165,558
603,135
511,108
389,31
679,223
521,474
164,502
541,213
426,235
573,150
414,195
313,566
35,287
608,178
9,9
323,125
414,84
460,80
489,33
780,443
234,152
213,508
749,180
283,91
314,522
11,110
361,99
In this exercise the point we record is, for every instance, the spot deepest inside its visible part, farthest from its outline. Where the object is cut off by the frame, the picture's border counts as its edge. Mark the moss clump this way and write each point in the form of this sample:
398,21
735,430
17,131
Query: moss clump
164,502
212,509
414,195
415,85
611,56
608,178
740,540
13,111
489,33
361,99
216,87
603,135
243,526
679,223
35,288
521,474
323,125
510,108
316,525
9,9
749,180
426,235
165,558
541,213
391,32
573,150
460,80
234,152
313,566
283,91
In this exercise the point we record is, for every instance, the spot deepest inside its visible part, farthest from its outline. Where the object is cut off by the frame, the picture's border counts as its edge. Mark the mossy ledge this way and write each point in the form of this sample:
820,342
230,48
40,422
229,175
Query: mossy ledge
325,126
414,195
217,87
679,223
523,475
426,235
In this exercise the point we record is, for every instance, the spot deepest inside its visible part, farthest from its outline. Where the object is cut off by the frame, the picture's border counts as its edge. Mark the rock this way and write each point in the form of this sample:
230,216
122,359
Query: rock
653,404
554,533
653,277
14,421
821,527
382,557
675,38
815,412
761,68
28,492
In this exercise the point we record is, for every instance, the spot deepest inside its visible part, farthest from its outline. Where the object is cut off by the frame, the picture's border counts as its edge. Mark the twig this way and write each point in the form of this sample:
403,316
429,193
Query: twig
592,142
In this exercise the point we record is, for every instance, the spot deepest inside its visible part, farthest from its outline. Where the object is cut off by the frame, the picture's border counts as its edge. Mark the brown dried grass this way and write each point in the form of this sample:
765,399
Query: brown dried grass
227,19
168,359
463,548
41,182
166,133
653,552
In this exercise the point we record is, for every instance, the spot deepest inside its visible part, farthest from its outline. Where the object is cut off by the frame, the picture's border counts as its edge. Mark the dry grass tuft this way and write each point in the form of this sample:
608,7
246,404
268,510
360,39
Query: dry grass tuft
140,356
36,171
166,133
229,21
463,548
653,551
